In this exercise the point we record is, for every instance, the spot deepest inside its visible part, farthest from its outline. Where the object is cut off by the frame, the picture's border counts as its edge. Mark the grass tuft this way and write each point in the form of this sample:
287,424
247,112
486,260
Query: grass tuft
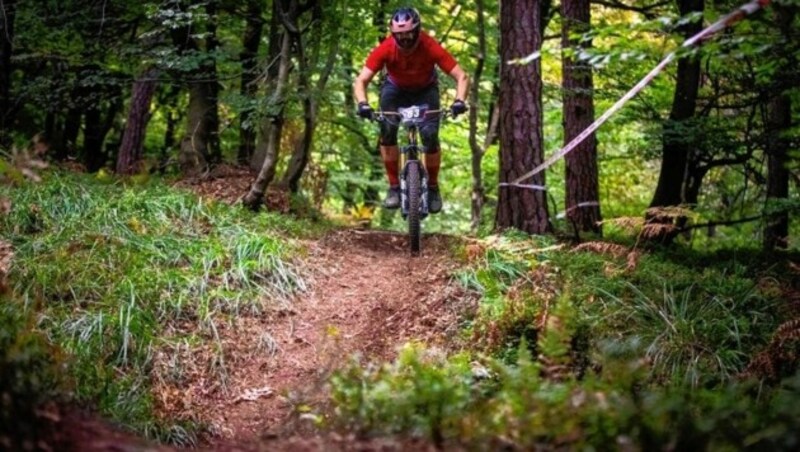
119,273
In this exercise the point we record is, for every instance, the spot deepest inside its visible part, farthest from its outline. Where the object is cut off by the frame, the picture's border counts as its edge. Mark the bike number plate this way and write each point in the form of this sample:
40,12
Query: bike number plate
414,114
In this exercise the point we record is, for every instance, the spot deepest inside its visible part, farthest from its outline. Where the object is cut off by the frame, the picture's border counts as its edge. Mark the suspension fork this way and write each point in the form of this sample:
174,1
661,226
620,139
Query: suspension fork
411,152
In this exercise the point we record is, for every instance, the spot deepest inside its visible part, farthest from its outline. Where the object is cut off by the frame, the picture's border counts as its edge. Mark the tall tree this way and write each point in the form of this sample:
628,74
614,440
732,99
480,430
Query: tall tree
209,70
272,119
271,135
779,121
582,186
99,118
254,26
200,144
521,119
678,135
478,150
7,13
310,94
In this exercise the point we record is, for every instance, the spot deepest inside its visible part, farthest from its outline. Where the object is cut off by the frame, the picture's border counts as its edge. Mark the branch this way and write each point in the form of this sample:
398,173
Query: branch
646,11
288,17
329,64
452,25
362,137
724,162
491,133
721,223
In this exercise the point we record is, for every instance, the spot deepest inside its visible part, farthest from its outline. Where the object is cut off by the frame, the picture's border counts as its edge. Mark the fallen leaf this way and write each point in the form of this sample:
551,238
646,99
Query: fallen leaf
251,395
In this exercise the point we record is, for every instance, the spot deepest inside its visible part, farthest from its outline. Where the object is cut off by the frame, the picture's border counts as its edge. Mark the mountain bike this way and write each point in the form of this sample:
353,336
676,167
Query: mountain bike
413,177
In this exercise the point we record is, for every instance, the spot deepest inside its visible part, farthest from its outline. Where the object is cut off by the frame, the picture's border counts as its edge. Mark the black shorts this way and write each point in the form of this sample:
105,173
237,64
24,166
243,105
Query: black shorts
393,98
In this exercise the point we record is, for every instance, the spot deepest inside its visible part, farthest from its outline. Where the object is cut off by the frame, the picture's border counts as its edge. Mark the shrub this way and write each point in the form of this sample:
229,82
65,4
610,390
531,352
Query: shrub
486,404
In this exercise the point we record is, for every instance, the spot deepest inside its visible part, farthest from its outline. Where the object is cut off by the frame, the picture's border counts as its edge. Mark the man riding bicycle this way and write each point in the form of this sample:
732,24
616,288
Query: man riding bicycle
410,58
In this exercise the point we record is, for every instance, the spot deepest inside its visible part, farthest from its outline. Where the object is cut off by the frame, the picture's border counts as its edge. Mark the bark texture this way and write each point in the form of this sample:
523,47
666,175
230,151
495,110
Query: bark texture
477,151
302,154
271,134
676,141
582,186
130,151
779,121
249,60
200,144
521,119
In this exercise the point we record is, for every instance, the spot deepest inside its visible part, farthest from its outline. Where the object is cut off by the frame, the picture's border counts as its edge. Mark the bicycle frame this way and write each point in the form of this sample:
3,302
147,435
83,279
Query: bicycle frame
413,177
411,118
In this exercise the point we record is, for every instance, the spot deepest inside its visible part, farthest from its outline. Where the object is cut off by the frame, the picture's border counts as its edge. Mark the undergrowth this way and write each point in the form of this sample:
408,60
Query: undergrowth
114,273
28,375
598,346
488,404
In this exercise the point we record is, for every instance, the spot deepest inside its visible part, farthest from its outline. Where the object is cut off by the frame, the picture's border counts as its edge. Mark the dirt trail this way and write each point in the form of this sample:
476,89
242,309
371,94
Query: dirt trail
366,296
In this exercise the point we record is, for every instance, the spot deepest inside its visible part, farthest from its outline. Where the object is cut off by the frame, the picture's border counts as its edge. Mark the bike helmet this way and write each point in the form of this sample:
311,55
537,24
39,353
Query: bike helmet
406,20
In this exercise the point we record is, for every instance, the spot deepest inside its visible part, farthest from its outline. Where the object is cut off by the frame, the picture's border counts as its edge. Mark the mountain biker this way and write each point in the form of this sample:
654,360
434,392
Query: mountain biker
410,58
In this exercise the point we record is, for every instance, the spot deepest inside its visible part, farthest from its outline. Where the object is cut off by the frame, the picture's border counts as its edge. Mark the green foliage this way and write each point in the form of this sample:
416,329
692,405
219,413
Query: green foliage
516,406
416,394
114,268
588,350
28,373
686,336
700,325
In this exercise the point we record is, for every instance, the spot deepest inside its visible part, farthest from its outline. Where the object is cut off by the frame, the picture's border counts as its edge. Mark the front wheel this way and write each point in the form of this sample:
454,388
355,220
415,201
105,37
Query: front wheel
413,176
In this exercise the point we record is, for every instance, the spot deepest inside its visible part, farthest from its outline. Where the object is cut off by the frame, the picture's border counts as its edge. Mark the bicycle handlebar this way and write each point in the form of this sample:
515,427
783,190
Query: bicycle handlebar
380,116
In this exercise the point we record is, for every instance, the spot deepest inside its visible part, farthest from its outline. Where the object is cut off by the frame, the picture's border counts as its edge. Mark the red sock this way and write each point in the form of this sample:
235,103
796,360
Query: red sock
392,172
433,172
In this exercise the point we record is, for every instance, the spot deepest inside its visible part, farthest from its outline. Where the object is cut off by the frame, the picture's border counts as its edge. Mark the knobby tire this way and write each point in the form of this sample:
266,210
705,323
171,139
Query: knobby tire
414,199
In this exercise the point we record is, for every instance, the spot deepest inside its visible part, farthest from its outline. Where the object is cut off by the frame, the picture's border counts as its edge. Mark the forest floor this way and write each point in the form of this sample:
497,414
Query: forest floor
365,297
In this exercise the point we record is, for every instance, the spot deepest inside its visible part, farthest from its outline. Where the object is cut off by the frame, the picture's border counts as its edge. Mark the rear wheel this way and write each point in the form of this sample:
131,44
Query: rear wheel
414,198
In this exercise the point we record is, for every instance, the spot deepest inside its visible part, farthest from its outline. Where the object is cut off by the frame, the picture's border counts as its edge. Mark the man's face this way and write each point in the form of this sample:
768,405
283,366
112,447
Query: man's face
404,39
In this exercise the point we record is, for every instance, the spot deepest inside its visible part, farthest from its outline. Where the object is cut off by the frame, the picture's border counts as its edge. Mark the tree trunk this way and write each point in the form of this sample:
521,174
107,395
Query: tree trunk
194,151
271,133
779,121
274,118
168,102
521,119
779,118
302,155
379,19
200,145
477,151
7,15
676,140
72,127
52,131
582,186
93,136
209,71
130,151
95,132
248,89
54,112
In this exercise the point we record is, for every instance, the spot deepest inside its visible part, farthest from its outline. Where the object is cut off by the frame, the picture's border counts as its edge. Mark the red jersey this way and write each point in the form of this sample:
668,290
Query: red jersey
412,70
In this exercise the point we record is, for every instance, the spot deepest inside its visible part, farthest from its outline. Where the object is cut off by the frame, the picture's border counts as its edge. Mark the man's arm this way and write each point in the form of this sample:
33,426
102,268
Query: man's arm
360,85
462,82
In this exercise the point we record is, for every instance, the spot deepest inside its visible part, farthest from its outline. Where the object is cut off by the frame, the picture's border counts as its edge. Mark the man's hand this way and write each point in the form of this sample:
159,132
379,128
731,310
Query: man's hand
458,108
365,111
